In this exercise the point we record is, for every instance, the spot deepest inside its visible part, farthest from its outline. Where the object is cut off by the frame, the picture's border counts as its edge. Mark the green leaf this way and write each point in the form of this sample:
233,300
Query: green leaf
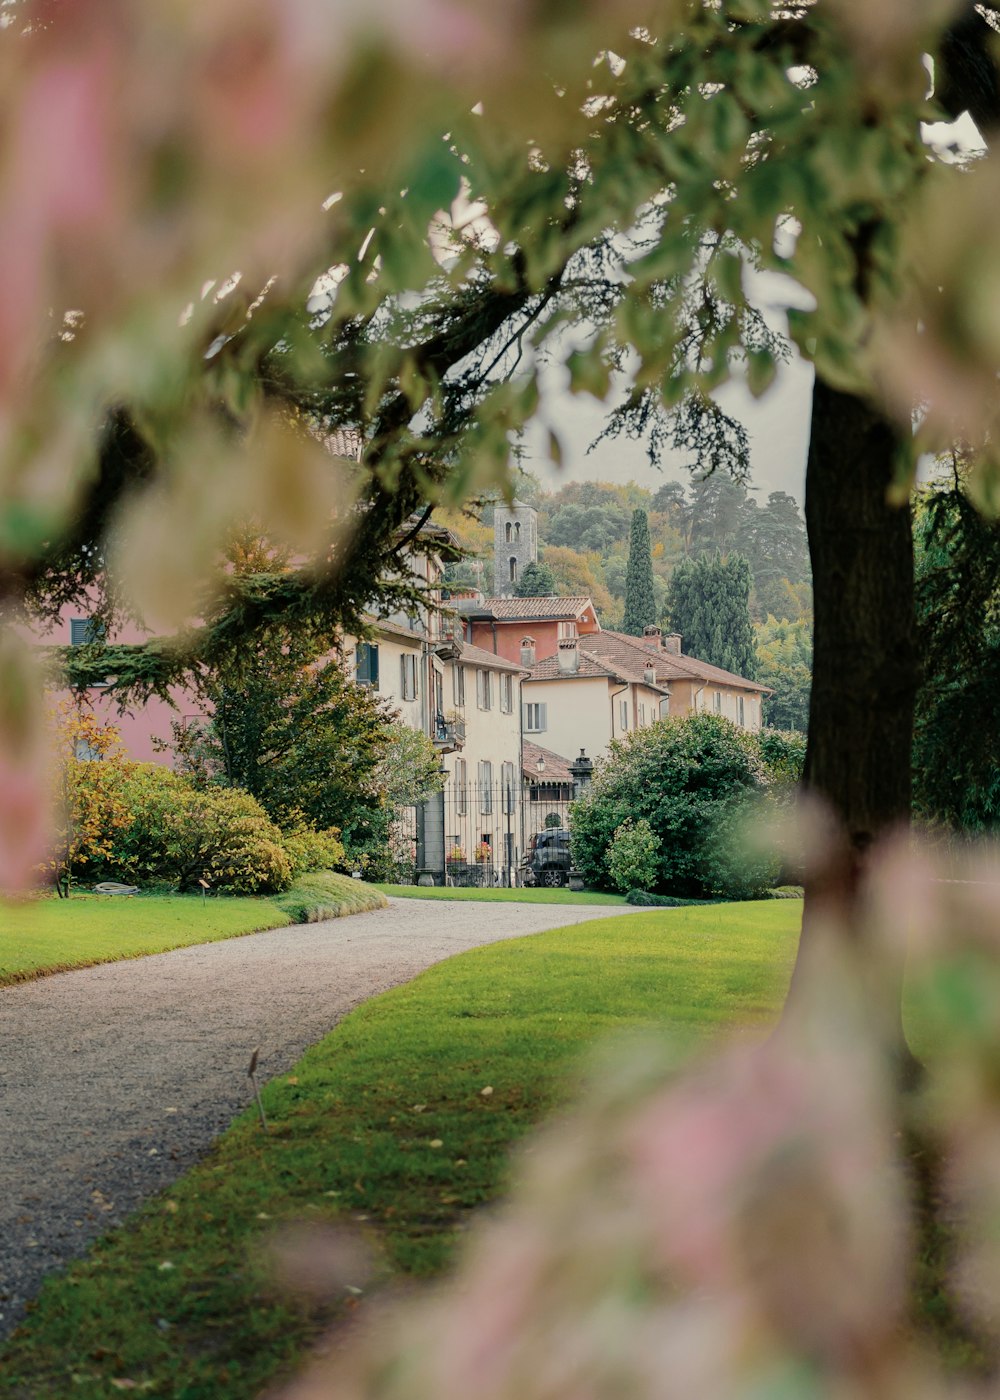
761,369
589,372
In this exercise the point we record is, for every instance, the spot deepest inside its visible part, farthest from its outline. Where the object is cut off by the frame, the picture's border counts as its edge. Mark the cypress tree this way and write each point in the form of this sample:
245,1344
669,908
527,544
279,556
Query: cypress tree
709,605
640,602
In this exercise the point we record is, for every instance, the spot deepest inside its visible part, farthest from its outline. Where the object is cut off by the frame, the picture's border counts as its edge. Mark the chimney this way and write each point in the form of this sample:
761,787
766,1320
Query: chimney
528,653
672,643
569,656
649,675
651,638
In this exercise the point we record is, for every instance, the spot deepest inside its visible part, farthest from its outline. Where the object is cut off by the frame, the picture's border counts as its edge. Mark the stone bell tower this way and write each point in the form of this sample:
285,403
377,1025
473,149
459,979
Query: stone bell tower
515,545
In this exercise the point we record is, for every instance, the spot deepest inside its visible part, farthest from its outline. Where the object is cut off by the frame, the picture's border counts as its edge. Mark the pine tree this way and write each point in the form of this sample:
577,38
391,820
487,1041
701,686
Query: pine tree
640,600
537,581
709,605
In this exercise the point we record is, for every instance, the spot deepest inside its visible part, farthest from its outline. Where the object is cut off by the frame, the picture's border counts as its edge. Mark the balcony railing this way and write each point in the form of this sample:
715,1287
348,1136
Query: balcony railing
448,733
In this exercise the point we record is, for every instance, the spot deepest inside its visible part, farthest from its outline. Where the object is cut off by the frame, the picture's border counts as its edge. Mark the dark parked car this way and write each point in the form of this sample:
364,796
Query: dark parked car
547,859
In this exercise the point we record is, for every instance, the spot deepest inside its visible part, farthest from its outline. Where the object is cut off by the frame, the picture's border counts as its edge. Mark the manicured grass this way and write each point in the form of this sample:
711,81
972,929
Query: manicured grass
55,935
502,896
385,1122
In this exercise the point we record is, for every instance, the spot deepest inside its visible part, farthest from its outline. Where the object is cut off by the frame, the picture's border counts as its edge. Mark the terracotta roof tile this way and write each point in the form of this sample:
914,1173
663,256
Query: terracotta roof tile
593,662
549,669
618,646
556,767
476,656
524,609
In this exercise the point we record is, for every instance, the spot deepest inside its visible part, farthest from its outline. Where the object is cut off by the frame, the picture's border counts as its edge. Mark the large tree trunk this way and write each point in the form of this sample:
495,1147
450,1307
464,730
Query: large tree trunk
865,657
864,665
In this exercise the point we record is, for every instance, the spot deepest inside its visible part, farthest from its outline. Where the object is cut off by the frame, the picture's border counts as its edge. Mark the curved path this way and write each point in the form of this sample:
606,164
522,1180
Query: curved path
114,1079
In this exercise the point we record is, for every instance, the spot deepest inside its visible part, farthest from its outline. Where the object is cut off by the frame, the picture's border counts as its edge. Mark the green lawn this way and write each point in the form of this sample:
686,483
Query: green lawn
385,1122
501,896
54,935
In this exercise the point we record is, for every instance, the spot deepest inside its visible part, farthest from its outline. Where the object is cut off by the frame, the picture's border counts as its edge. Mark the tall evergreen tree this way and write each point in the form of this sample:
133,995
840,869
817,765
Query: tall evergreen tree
640,599
709,605
956,751
537,581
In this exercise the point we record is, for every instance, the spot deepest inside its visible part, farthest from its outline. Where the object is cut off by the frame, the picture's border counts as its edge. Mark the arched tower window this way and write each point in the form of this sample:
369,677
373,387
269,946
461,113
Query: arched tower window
509,532
512,563
517,530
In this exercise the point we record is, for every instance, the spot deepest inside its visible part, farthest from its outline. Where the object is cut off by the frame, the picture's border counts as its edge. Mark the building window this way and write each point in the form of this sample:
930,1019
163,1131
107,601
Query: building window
517,530
512,566
458,685
484,690
717,702
508,532
84,631
486,788
507,694
740,708
623,715
86,752
535,719
461,787
366,664
642,715
567,630
408,675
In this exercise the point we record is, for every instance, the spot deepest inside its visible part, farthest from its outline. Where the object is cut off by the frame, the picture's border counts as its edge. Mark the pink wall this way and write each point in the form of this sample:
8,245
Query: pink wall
138,727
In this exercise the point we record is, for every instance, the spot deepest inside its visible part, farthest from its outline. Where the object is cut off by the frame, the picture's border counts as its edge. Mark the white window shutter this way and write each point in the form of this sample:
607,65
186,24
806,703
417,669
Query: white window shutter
543,717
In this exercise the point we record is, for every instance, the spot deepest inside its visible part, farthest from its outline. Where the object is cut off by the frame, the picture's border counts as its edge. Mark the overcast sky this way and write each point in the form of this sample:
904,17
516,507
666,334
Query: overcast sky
778,425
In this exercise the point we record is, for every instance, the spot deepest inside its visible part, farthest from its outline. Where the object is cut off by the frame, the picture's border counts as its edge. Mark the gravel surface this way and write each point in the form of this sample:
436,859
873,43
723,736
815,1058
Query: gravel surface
115,1079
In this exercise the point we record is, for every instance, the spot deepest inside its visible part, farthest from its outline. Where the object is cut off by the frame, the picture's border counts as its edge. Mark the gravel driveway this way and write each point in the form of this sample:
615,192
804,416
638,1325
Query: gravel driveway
114,1079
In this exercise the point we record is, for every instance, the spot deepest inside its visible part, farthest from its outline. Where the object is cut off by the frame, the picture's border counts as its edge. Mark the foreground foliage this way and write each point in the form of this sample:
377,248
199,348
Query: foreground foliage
399,1122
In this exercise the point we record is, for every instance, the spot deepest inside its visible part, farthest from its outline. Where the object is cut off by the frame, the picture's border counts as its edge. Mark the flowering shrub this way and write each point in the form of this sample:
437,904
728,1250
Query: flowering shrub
484,853
456,856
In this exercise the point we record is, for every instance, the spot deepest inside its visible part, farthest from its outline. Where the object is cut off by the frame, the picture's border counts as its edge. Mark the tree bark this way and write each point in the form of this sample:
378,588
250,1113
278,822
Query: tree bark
865,652
865,673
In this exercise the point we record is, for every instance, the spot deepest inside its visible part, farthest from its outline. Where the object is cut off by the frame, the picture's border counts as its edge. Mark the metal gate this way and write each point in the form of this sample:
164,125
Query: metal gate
476,834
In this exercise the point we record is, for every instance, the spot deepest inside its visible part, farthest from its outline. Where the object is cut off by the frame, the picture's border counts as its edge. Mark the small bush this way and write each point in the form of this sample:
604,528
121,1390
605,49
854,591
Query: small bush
643,898
327,895
631,856
784,755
